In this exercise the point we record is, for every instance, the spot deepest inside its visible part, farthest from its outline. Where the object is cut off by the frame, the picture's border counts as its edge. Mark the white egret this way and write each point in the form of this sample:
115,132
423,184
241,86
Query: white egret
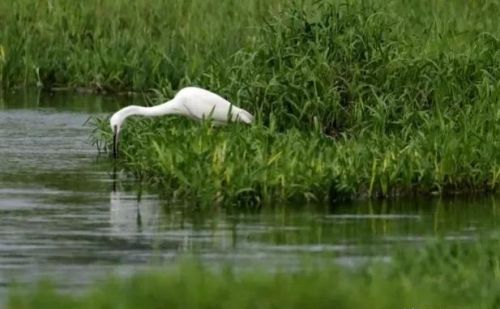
192,102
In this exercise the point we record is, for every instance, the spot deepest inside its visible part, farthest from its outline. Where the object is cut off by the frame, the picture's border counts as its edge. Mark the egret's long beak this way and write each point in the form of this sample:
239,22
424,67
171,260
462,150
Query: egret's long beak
116,137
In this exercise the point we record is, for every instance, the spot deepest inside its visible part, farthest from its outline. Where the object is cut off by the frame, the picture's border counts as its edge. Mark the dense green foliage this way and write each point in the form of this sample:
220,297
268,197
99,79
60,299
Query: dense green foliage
238,164
444,275
351,98
115,45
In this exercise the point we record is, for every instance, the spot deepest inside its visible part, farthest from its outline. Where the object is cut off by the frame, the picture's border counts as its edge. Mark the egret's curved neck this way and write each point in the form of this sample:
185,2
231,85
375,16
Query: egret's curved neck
158,110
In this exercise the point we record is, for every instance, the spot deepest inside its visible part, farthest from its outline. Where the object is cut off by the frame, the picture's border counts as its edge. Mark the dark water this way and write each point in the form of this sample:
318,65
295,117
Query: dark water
62,216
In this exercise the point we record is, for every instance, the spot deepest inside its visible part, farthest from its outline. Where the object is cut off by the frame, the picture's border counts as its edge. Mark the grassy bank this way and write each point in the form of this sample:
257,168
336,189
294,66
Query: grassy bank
444,275
258,165
372,98
351,100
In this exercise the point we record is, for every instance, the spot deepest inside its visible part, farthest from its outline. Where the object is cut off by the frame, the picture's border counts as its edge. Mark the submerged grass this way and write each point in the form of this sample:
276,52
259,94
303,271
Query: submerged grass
441,275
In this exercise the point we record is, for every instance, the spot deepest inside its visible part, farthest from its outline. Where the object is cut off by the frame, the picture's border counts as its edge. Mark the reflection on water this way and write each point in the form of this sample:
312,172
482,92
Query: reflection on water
62,211
132,215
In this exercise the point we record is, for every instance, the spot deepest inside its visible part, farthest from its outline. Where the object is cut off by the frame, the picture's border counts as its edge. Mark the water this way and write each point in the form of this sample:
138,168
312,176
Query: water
63,216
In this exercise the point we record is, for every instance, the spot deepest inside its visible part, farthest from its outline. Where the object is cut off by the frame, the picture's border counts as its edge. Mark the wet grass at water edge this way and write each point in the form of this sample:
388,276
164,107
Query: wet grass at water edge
439,275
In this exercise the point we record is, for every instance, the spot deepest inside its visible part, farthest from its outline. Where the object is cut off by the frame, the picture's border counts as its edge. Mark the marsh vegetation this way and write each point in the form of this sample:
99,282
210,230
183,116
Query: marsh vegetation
353,99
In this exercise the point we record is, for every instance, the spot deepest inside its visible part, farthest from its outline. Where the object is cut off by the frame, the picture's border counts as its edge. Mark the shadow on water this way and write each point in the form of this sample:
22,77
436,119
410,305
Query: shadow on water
63,211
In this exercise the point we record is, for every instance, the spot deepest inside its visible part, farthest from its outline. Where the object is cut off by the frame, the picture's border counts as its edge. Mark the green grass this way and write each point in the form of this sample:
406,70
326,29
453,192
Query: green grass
259,165
440,275
352,98
351,101
114,45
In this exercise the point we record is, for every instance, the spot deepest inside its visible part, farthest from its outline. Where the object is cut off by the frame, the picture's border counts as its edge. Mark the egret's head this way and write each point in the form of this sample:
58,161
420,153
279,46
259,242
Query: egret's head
116,123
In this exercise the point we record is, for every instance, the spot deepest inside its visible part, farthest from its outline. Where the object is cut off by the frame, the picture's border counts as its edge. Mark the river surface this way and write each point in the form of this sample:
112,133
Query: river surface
64,217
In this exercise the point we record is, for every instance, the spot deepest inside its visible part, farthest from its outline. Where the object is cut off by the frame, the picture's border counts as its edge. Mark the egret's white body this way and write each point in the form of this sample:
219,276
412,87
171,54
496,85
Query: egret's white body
192,102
